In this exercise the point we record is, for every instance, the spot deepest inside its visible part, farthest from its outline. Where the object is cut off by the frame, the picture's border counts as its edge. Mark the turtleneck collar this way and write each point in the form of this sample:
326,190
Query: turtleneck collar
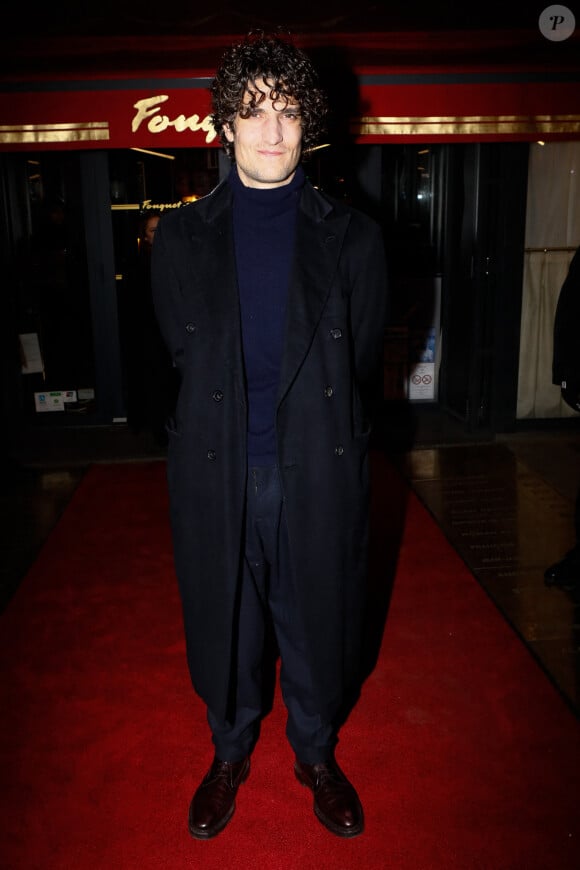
266,196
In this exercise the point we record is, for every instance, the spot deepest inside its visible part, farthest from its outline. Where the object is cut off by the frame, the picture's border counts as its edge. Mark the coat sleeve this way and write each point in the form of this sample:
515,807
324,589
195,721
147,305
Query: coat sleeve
368,319
166,294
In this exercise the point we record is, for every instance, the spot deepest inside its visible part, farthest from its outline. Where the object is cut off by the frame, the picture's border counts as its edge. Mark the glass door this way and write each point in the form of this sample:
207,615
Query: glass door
47,299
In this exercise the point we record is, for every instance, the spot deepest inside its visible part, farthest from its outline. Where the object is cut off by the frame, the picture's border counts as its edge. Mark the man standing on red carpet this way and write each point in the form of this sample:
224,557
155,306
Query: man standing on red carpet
271,297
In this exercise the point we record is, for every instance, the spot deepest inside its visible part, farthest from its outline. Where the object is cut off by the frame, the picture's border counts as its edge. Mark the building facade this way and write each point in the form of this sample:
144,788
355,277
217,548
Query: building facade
443,140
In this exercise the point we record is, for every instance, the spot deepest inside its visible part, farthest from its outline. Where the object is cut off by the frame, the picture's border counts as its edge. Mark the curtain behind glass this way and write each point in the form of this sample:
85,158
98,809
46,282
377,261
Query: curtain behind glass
552,236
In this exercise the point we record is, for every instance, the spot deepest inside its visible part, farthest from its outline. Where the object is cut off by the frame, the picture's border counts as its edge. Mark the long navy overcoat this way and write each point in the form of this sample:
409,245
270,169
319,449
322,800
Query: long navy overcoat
333,350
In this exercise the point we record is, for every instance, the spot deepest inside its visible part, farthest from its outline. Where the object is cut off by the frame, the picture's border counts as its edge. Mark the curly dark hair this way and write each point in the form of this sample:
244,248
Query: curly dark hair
288,72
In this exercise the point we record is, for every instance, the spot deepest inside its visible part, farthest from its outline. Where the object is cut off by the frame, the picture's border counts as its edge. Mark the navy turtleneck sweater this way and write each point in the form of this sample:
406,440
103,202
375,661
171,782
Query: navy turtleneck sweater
264,233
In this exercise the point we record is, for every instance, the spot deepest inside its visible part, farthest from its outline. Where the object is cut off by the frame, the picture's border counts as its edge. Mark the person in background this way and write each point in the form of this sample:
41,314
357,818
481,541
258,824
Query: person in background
566,374
272,298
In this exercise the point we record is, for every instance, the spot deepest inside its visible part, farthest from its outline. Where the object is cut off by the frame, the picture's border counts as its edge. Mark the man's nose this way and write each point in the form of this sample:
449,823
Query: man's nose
273,130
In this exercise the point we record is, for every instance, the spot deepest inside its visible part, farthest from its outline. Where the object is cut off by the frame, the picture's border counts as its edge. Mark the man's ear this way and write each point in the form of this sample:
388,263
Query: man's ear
229,132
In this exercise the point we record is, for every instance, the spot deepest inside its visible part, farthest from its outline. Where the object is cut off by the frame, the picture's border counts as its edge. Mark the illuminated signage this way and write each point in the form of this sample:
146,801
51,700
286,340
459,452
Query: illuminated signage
153,116
147,205
149,110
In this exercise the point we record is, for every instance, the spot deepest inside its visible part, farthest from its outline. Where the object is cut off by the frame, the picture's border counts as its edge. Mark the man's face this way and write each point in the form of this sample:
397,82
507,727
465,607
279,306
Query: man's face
150,228
268,143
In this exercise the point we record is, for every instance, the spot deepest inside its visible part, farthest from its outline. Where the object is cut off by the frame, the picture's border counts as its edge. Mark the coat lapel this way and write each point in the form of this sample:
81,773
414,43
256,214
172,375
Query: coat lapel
212,263
319,238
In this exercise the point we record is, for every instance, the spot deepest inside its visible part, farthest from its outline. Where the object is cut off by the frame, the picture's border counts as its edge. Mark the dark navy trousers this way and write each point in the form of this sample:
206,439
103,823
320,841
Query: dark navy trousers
268,588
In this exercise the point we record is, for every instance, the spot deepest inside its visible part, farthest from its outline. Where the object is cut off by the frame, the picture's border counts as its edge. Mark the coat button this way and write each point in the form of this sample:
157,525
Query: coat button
328,391
339,450
336,333
211,455
217,395
190,327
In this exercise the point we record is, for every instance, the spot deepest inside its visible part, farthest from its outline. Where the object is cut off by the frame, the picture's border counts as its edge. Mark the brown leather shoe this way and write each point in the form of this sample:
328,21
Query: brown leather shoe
336,803
214,802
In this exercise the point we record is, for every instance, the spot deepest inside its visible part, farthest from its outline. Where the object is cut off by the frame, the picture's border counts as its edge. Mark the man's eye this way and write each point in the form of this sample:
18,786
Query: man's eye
292,116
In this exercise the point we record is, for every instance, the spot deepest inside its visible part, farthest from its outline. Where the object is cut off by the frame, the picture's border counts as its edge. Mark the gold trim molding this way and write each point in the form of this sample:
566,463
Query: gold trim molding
466,125
33,134
424,126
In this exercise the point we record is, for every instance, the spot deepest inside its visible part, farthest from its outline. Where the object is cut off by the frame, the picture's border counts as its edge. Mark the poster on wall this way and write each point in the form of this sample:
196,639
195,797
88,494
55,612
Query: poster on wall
30,353
422,366
412,355
54,400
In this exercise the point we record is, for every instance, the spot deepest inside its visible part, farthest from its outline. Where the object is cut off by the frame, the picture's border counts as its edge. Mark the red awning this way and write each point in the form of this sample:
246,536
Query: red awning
506,86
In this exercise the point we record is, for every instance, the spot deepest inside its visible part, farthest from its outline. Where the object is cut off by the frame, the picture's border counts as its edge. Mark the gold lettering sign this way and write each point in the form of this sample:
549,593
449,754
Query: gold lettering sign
148,110
148,205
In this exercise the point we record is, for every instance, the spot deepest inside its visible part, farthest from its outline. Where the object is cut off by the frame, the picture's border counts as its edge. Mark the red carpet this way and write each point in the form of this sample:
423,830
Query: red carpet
464,754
